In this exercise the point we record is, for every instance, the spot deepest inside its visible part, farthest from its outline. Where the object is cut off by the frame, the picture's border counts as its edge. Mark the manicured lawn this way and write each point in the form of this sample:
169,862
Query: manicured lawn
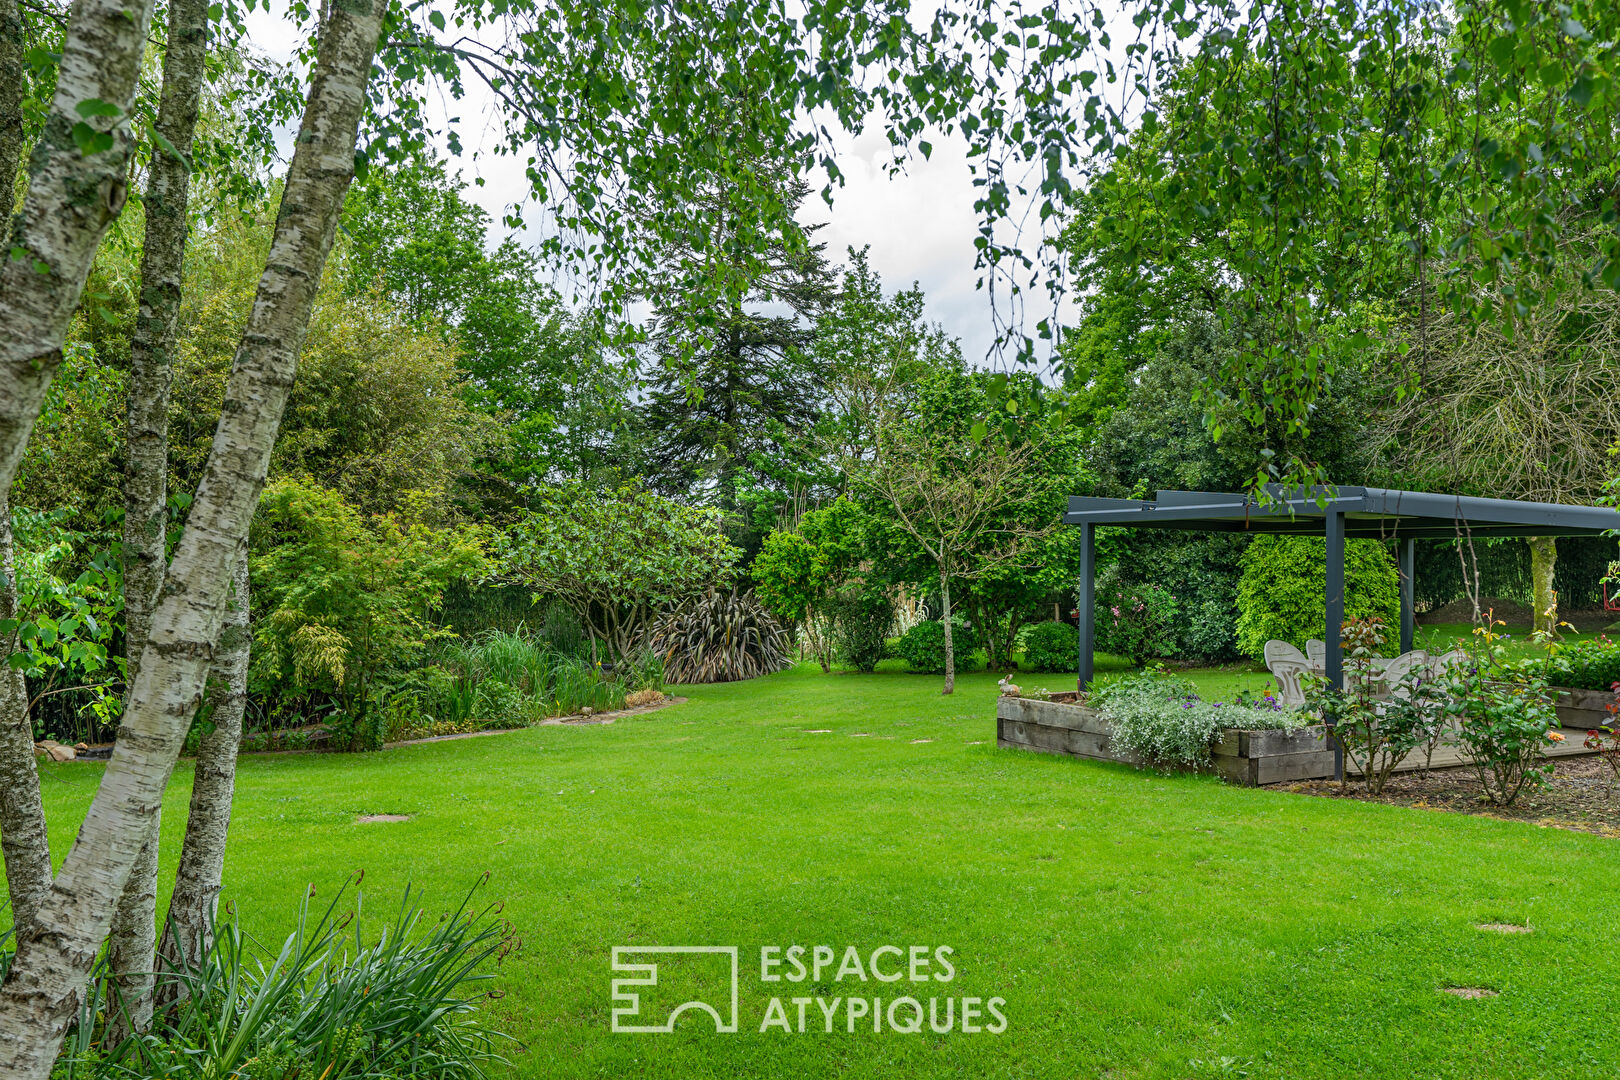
1137,925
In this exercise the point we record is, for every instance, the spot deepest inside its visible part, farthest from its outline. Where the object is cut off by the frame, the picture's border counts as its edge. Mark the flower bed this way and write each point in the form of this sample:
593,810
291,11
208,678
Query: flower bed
1239,756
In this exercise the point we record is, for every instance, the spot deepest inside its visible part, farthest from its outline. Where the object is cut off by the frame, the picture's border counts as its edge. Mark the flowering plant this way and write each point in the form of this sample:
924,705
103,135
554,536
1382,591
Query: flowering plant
1606,739
1504,714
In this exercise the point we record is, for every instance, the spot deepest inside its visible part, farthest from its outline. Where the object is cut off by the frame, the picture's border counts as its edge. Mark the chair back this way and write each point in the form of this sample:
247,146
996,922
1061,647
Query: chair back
1282,651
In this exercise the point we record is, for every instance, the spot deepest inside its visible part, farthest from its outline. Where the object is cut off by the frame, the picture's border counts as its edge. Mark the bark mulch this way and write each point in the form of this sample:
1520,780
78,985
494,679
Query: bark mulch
1580,794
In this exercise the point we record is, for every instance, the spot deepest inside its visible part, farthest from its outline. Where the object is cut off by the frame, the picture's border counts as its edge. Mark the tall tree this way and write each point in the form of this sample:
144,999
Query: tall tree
54,954
734,396
132,940
76,188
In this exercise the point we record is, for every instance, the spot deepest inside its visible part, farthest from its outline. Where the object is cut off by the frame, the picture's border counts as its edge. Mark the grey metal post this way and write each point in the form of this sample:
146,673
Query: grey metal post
1088,602
1334,668
1408,550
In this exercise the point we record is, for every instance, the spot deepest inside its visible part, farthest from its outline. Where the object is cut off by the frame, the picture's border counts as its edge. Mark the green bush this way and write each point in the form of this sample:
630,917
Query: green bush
860,627
1136,620
1284,583
923,647
1586,665
1051,646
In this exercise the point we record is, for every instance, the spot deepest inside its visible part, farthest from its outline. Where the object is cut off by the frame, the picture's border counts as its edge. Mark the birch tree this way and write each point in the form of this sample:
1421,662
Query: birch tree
130,946
55,953
77,186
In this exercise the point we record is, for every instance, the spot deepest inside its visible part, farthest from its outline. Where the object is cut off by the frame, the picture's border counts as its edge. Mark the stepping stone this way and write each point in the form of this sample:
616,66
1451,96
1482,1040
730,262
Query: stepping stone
1469,992
860,735
820,731
372,819
1502,927
915,742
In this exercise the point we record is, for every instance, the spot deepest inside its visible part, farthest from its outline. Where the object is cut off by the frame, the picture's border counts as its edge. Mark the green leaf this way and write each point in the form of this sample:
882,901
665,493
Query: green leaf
96,107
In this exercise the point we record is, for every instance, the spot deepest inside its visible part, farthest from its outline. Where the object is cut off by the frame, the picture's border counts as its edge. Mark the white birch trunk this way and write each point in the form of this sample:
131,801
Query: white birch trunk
950,644
54,956
131,942
188,931
72,198
22,816
11,95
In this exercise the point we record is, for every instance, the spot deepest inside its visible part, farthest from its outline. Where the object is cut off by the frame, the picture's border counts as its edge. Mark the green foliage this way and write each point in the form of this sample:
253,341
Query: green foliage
335,1001
1376,730
1051,646
65,622
798,574
719,637
533,365
618,558
1161,719
348,597
923,646
861,621
1585,665
1285,581
505,679
1136,620
1504,715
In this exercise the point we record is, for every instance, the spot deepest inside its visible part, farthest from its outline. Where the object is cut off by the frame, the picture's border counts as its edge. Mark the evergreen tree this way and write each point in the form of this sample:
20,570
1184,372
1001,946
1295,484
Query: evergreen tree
734,394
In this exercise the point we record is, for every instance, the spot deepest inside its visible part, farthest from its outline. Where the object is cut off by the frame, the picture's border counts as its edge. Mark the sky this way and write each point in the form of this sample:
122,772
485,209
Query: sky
920,225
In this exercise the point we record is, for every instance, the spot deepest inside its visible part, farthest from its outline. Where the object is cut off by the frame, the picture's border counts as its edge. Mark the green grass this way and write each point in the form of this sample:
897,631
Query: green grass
1135,924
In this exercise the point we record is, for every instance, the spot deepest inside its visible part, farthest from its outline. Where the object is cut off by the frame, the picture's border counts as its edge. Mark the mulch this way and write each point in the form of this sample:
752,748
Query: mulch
1581,794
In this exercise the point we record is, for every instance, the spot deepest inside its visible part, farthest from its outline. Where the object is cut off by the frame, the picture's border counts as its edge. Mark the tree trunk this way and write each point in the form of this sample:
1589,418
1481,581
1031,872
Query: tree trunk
55,955
146,515
72,198
22,816
1543,560
11,95
950,645
188,931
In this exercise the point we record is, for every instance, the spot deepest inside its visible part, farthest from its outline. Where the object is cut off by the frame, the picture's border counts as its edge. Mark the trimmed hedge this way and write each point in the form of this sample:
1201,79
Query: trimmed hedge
923,647
1051,646
1285,579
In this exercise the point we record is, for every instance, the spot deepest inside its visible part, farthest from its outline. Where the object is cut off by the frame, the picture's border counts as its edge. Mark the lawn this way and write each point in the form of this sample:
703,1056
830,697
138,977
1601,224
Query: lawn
1136,925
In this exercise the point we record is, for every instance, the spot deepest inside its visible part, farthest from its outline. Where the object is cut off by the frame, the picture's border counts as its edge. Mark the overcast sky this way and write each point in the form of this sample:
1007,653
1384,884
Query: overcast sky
920,225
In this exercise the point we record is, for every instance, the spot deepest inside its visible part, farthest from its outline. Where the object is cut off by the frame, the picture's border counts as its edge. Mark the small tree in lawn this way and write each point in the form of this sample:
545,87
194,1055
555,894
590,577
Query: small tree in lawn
967,494
618,559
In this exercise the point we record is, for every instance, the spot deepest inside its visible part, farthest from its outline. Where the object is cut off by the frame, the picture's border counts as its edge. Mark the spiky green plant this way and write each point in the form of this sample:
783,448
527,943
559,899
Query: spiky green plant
720,637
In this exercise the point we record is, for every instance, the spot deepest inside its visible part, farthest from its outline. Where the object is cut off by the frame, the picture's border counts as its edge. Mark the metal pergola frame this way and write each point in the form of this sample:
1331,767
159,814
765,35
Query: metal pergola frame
1334,513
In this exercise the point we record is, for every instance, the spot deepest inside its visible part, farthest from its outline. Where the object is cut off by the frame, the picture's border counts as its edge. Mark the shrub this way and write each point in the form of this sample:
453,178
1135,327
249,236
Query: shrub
1285,578
720,637
1162,720
1051,646
1586,665
348,597
1505,717
335,1003
1376,735
1135,620
861,619
923,646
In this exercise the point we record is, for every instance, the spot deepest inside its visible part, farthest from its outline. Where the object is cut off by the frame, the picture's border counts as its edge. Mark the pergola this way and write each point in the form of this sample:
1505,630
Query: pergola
1335,513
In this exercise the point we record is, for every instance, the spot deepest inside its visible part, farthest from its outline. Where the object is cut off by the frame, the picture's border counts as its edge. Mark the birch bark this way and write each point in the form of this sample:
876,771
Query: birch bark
76,188
188,931
131,942
55,954
11,95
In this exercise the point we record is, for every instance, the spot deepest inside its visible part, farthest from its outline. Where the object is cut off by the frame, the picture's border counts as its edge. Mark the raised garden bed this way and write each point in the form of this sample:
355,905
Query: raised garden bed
1583,709
1249,758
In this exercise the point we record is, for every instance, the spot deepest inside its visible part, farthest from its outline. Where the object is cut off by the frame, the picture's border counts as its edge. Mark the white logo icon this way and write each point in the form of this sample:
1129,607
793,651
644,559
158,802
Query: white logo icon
627,1002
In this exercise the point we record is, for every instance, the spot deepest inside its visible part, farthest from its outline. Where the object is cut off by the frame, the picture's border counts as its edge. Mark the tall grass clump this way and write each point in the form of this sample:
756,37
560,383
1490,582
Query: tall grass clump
332,1003
515,678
